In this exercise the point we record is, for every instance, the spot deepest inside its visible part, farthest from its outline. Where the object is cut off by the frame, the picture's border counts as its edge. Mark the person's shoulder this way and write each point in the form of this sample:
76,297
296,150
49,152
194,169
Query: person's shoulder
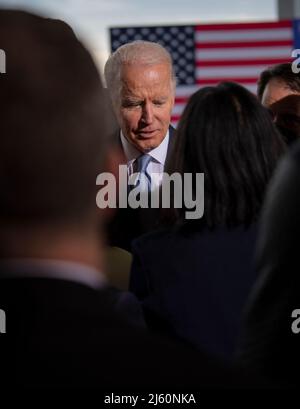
157,236
154,245
126,306
293,154
172,131
295,149
164,241
177,232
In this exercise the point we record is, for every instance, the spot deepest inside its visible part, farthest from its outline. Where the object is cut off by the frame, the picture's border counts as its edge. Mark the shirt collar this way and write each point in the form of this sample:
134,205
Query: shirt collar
56,269
159,153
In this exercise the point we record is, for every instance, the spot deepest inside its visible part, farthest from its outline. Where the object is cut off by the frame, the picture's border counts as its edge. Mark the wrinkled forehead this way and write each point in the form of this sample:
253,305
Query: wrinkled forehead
140,81
138,75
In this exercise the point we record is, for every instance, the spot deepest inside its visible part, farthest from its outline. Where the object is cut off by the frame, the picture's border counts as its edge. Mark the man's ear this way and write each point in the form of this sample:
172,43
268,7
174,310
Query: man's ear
113,160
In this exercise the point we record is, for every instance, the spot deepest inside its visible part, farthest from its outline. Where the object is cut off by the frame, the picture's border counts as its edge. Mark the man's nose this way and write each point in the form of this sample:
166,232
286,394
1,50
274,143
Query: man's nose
147,115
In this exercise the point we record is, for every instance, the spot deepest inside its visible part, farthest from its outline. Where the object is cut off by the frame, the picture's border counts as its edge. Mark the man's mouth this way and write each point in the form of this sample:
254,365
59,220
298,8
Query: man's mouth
146,134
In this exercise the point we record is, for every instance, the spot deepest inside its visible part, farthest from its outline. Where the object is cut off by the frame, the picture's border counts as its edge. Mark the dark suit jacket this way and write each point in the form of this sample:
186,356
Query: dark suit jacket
268,343
127,224
194,285
61,333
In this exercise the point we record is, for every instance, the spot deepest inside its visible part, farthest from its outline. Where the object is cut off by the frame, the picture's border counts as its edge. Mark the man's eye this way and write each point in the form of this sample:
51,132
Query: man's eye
158,103
131,104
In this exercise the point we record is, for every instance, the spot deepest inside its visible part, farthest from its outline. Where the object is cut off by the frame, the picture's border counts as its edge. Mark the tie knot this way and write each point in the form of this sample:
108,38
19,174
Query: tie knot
143,162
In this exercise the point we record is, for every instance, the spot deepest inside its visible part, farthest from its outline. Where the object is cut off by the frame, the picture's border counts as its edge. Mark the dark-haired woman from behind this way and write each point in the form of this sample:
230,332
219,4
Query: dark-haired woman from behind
193,277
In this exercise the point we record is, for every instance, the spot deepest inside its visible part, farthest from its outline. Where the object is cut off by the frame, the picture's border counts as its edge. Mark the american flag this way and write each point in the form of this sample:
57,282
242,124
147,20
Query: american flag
206,54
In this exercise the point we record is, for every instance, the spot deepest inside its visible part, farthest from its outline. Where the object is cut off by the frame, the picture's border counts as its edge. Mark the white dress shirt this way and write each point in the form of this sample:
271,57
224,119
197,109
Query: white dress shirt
156,164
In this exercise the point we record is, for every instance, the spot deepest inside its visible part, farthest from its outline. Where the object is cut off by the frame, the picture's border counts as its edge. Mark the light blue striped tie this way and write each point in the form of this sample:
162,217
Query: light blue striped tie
142,164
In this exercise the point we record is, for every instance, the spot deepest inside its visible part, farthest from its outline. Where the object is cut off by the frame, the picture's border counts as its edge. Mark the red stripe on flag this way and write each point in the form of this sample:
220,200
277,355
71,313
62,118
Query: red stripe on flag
241,63
181,100
175,118
242,44
245,26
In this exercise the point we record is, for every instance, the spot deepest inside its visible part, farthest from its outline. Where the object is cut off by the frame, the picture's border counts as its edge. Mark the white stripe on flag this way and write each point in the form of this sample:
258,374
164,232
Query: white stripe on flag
186,90
229,72
265,34
251,87
178,109
242,53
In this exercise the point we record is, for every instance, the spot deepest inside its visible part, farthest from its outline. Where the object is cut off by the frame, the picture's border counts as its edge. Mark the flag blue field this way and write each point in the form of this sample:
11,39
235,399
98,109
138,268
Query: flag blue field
207,54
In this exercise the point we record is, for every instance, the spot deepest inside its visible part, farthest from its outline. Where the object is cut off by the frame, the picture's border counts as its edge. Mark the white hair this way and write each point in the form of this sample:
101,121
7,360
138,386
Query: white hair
136,52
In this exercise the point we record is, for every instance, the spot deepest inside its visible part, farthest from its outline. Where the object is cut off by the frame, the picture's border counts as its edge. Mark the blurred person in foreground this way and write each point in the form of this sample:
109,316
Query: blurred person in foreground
141,85
63,327
194,277
286,116
270,339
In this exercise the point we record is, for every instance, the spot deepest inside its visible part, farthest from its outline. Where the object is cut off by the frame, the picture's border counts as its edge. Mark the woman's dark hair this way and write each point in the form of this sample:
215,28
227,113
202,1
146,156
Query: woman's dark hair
282,72
228,135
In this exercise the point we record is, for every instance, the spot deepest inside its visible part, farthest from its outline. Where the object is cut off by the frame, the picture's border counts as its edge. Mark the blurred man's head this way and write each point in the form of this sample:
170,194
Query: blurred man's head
52,125
141,83
277,82
286,115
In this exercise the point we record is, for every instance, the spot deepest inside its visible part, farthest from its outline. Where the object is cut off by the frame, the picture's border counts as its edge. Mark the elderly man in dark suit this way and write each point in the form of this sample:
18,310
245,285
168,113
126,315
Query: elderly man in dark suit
141,84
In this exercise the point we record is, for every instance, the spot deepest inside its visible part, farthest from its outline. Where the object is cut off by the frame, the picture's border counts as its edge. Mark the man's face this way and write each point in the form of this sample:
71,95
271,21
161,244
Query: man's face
147,99
275,90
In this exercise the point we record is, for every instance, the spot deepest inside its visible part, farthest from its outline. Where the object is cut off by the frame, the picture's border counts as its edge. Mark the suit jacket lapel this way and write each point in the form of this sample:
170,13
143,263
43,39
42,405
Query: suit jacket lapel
172,137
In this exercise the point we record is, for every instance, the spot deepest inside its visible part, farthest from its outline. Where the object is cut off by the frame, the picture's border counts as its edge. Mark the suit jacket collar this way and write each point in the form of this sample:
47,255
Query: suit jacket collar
54,269
172,138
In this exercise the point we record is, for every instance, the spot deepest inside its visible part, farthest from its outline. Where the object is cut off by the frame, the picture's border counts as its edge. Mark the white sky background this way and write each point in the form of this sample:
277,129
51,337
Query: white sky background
92,18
